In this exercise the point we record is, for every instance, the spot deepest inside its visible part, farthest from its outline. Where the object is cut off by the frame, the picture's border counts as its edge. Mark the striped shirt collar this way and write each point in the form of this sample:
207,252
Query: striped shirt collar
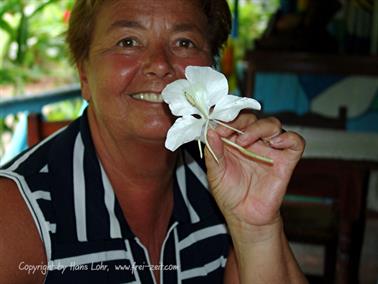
190,188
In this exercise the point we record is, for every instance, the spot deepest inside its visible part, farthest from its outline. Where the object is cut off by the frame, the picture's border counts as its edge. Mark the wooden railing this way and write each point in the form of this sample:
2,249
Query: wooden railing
31,104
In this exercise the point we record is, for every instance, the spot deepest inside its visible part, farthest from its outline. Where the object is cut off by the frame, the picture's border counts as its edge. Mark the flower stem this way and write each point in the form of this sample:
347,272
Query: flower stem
247,152
207,143
229,127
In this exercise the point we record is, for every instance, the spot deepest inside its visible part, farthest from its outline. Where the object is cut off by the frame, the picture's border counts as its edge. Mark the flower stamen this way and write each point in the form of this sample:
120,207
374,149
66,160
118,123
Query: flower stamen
191,98
207,143
200,148
228,126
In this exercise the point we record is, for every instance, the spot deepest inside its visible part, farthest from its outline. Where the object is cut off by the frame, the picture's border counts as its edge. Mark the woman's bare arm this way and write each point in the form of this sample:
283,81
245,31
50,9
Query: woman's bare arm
20,244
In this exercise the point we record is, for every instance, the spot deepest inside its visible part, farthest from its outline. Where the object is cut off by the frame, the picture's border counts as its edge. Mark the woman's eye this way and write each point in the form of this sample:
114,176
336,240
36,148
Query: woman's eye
127,42
186,43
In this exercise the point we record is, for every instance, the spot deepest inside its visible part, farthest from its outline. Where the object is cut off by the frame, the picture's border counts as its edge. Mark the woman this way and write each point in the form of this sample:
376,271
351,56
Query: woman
110,203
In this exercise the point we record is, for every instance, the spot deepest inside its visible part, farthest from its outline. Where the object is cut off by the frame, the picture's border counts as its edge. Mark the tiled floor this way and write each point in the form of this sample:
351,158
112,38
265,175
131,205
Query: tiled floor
310,257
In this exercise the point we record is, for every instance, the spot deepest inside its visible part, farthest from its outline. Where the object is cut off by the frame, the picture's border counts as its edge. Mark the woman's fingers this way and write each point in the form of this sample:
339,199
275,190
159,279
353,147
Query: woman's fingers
288,140
241,123
264,129
267,129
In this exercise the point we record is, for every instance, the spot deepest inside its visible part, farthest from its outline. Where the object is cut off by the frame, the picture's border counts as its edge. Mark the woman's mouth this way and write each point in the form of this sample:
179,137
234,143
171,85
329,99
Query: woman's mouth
148,97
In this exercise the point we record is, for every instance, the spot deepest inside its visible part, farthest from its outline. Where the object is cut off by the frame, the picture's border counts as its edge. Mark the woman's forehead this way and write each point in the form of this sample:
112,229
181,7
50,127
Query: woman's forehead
180,14
178,8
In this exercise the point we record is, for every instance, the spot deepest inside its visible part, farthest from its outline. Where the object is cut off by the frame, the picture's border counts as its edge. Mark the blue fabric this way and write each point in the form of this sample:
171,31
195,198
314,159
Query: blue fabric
314,85
280,92
366,123
289,92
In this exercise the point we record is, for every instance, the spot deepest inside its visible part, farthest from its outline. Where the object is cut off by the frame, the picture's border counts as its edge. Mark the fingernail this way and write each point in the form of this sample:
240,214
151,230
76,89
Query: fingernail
275,140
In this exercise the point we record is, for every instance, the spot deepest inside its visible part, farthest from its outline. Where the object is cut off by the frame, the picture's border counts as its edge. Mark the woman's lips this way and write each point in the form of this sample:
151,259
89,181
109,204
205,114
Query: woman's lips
148,97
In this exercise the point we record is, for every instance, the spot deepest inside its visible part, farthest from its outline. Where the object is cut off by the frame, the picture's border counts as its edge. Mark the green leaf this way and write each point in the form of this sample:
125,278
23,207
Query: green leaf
6,27
41,7
22,37
9,6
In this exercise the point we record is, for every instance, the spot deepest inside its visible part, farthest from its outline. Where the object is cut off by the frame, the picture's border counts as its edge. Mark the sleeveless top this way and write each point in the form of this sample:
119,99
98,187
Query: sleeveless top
85,234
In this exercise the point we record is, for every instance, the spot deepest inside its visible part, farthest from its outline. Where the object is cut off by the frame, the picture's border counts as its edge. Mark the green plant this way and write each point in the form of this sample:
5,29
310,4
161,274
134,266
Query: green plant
254,16
65,110
33,40
32,49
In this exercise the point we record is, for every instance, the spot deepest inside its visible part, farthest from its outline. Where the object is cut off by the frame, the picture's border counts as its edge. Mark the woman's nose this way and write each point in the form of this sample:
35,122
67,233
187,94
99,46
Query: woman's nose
158,63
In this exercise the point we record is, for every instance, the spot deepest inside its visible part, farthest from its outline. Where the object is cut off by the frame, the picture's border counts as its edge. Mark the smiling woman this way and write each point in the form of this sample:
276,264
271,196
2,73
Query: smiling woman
133,51
104,193
84,15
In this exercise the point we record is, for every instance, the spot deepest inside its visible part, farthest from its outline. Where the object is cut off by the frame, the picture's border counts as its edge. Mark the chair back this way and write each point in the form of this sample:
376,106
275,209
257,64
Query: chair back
39,128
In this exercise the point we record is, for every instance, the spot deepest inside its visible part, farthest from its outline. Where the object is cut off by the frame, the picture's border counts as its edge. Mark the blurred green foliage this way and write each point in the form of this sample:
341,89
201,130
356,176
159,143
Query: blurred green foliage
32,41
63,110
254,16
32,49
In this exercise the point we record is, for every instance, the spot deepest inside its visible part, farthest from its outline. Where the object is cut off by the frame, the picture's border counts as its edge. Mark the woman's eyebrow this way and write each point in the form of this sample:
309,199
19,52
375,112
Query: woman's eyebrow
125,24
185,27
182,27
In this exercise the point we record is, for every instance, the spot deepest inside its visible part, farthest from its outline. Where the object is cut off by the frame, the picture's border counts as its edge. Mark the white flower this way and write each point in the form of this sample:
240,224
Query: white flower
201,100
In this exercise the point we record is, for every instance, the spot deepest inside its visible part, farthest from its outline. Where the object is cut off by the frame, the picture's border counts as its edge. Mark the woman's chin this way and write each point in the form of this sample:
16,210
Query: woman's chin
154,134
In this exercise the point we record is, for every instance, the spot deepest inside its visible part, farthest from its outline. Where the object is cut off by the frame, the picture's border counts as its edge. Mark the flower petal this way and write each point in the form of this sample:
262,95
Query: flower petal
228,107
185,129
214,82
173,95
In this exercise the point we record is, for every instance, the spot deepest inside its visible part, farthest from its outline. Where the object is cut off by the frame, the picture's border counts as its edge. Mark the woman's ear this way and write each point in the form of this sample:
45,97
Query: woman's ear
83,76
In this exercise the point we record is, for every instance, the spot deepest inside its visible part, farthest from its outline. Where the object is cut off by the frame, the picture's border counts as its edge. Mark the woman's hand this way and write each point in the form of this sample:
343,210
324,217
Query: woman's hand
249,193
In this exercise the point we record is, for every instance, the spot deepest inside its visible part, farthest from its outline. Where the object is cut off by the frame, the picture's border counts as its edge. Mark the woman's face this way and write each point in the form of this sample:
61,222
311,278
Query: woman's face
137,48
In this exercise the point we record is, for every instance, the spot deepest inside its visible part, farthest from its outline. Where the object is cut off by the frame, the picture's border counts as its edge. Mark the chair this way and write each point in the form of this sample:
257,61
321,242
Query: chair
38,128
315,120
339,184
325,205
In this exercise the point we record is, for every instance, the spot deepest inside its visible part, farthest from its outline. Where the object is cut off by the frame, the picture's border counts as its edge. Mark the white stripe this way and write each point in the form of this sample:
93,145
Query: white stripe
131,258
202,234
178,259
35,210
146,254
109,199
45,169
163,248
22,159
196,170
79,189
52,227
40,194
204,270
89,258
181,180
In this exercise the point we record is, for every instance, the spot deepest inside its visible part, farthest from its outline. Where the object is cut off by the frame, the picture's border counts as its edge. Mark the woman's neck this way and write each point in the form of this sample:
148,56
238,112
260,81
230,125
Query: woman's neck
138,162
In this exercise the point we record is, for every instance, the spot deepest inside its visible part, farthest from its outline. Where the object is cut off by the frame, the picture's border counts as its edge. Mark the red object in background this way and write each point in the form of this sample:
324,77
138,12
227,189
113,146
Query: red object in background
227,60
66,16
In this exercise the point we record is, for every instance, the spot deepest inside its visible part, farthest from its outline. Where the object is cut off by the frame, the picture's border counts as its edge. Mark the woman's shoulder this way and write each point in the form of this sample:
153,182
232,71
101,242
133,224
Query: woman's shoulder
21,247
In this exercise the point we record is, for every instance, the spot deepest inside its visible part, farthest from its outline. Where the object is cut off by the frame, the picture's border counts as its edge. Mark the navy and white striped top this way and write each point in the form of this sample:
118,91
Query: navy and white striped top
84,232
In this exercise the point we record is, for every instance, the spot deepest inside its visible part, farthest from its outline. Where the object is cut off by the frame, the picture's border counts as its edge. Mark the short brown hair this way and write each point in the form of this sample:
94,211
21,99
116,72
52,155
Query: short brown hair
82,23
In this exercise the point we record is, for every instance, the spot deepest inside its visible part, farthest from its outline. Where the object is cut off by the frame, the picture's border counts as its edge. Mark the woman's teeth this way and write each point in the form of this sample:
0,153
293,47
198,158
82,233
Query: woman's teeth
148,97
